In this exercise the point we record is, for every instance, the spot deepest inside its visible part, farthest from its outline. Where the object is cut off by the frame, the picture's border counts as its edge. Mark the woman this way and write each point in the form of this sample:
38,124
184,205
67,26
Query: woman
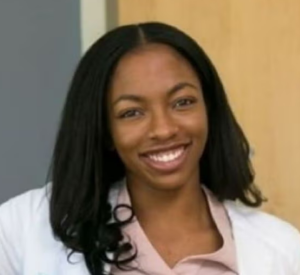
150,173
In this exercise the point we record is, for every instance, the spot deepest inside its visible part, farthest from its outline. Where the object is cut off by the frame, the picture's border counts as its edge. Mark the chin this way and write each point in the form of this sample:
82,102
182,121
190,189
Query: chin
168,183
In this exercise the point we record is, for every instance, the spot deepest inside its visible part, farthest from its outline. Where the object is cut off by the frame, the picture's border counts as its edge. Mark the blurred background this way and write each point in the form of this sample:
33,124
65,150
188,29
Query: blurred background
255,45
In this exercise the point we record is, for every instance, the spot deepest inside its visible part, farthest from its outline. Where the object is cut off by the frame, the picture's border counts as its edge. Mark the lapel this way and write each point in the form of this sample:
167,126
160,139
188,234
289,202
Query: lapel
254,257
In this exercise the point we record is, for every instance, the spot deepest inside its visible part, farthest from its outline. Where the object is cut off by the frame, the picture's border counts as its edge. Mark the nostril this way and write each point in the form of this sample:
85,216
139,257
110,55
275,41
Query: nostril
164,132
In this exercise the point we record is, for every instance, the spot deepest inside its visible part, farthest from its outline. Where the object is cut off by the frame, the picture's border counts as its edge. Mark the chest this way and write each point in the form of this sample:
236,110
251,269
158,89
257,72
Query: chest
173,248
43,255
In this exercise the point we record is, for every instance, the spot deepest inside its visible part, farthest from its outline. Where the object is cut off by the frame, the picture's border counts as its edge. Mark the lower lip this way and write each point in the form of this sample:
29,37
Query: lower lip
167,167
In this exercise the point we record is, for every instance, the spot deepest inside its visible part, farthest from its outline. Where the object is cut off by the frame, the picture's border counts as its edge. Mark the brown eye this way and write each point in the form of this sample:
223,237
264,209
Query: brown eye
184,102
131,114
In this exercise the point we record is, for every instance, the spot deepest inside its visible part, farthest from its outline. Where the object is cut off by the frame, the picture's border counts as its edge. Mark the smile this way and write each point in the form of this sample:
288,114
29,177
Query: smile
167,156
166,161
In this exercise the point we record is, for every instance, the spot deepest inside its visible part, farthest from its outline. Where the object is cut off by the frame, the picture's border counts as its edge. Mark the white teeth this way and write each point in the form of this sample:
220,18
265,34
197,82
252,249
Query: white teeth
167,156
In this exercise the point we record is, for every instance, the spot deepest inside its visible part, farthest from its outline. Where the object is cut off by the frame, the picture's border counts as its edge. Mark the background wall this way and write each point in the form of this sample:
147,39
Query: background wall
40,46
255,45
94,20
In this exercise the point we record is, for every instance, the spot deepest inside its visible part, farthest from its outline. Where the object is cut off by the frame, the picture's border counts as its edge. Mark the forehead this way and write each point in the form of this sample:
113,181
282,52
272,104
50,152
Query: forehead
153,51
150,65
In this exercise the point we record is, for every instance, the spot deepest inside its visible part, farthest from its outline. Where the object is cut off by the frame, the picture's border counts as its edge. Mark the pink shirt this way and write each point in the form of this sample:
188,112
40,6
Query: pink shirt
148,261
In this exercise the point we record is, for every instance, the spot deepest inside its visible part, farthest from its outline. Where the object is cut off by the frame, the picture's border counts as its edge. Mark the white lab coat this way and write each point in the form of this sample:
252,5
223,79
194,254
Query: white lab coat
265,244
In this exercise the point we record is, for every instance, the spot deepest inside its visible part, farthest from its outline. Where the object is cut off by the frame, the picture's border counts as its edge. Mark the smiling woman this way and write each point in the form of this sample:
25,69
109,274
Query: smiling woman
157,118
150,173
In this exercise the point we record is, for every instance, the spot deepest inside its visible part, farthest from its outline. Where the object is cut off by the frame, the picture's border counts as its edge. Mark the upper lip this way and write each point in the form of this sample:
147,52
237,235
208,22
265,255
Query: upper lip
160,149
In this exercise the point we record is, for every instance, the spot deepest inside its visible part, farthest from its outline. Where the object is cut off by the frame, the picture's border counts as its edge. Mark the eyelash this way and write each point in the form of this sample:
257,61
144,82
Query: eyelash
125,115
190,100
129,113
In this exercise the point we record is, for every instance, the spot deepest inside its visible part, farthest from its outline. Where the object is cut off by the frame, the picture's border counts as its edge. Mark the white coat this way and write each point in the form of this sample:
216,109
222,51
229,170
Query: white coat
265,244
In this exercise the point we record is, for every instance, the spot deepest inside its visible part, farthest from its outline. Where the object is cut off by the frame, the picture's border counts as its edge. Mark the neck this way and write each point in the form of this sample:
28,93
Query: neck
185,208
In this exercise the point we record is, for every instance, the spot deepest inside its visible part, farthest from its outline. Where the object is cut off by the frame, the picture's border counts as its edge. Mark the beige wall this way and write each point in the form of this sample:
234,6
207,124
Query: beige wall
255,45
93,21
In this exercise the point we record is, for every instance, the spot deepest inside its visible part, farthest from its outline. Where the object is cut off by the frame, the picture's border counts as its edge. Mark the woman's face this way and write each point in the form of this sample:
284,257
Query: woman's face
157,117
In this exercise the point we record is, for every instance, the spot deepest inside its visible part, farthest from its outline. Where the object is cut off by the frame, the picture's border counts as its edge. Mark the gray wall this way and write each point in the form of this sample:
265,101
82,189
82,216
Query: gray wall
39,49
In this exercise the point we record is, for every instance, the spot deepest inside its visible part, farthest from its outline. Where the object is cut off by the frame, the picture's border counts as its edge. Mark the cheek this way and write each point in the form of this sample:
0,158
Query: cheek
126,138
203,128
196,124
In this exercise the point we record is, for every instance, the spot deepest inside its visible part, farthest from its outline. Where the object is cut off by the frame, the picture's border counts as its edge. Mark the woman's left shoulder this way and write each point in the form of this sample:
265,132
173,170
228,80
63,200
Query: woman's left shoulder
268,236
268,228
257,218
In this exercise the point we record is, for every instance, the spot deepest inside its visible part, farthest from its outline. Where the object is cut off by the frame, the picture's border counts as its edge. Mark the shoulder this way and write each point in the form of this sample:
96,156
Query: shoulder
21,212
22,207
276,234
18,217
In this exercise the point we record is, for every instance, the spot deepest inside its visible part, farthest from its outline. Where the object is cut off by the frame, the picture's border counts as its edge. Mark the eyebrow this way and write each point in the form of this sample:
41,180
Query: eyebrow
172,91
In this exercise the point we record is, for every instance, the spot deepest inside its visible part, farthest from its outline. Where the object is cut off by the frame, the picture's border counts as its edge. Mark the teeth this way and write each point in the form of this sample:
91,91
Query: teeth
167,156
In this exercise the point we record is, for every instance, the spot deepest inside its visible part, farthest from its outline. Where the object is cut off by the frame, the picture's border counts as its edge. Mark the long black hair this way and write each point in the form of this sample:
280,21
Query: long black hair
84,167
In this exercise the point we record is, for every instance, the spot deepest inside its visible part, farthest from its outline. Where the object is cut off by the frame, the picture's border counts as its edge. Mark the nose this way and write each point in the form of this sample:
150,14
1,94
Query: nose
163,126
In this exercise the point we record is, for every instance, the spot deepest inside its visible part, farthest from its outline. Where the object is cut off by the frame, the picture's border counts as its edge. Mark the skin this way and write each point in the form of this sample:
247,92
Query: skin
155,101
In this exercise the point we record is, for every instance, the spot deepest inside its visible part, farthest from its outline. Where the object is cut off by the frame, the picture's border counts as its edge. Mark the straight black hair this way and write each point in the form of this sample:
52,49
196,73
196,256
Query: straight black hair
84,168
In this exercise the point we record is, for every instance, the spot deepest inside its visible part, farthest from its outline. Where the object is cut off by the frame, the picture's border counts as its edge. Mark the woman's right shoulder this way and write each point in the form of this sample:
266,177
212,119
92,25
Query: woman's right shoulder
20,216
22,212
24,206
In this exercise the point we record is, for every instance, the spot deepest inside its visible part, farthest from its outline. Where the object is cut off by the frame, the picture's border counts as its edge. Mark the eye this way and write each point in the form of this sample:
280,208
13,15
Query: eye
130,114
184,102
